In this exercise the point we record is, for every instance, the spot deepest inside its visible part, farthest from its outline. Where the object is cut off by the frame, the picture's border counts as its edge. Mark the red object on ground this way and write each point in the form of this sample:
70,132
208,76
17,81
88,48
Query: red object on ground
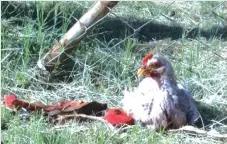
114,116
9,100
12,102
118,117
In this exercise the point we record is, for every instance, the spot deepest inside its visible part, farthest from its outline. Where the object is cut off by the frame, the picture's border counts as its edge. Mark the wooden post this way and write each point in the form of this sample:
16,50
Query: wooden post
68,43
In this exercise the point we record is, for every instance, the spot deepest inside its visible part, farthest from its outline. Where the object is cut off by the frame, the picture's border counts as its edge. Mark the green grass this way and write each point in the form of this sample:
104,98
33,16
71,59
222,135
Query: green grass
194,39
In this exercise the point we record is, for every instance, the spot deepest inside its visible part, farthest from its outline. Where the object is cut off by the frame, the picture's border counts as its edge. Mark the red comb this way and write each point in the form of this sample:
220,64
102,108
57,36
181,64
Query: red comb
146,58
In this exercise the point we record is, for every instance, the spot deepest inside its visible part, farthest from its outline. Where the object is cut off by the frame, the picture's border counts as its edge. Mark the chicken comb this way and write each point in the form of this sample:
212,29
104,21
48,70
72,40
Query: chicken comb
146,58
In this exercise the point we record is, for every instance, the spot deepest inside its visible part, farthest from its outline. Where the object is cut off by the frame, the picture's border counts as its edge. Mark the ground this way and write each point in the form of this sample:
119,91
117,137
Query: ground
193,35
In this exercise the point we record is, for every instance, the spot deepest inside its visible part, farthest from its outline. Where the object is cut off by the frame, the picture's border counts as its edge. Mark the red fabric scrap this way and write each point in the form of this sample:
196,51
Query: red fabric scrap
118,117
114,116
9,100
12,102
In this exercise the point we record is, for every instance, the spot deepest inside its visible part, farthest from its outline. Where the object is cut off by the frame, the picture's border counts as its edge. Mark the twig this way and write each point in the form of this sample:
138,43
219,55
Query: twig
218,121
62,117
200,116
194,130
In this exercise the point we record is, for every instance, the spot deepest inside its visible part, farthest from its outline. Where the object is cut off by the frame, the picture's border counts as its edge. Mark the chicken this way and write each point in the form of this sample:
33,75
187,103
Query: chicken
159,101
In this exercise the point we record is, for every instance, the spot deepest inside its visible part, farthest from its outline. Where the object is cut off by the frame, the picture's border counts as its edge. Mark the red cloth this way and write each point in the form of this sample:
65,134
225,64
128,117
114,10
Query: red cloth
114,116
9,100
118,117
12,102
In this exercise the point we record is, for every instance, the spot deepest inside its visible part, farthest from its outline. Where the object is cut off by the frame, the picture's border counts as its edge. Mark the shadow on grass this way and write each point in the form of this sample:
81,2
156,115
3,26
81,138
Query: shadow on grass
115,27
209,113
157,31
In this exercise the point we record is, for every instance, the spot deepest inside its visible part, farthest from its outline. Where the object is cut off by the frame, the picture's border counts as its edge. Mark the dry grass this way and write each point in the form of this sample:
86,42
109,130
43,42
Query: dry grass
192,35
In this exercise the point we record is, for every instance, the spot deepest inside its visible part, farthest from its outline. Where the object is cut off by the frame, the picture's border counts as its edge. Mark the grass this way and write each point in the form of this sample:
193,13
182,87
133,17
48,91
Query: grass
191,34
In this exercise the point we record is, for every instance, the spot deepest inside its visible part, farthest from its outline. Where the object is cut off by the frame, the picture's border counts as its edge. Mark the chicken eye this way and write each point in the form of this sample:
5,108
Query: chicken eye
156,64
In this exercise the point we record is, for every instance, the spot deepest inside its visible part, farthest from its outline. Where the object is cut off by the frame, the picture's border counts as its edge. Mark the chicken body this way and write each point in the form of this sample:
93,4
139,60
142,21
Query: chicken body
159,101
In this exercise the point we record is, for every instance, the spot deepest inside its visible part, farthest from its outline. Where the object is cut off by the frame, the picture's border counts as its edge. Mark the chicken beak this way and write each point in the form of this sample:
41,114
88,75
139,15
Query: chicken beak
142,72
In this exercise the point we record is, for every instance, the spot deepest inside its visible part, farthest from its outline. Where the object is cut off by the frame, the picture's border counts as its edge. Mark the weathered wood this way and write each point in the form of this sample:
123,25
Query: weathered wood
68,43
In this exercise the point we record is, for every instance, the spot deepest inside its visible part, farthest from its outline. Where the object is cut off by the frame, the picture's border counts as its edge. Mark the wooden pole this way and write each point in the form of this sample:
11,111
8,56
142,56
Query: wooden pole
69,42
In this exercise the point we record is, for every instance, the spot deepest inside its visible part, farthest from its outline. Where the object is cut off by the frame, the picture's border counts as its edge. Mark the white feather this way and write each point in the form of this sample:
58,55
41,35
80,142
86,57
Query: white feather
138,102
